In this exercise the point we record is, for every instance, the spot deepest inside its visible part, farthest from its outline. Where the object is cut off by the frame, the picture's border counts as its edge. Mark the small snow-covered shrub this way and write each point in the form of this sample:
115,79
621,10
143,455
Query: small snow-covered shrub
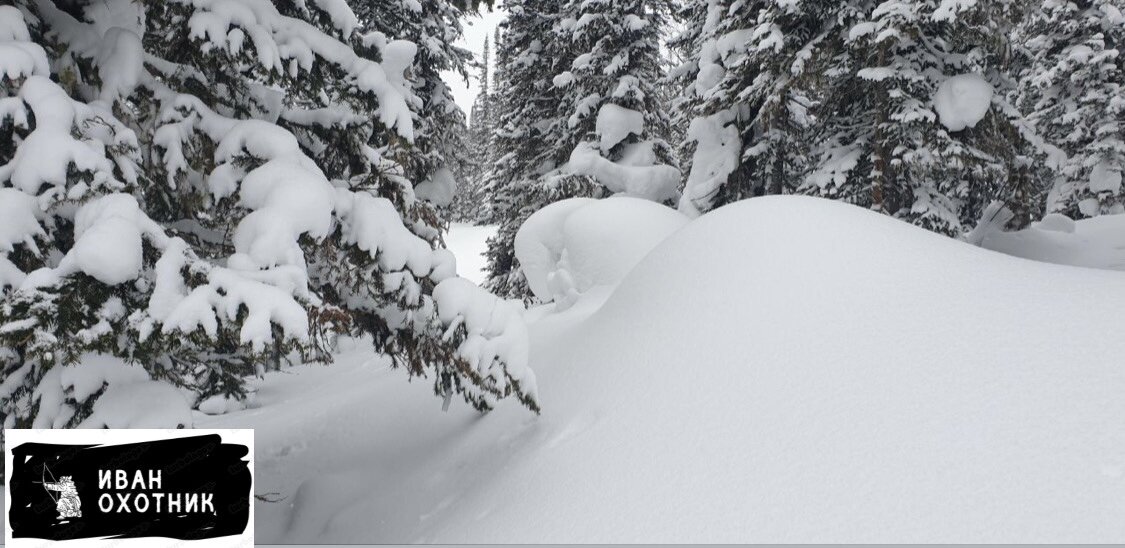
491,339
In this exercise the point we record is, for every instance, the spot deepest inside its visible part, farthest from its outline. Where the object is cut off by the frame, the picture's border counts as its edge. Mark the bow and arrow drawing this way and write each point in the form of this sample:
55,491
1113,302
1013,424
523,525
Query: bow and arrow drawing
67,502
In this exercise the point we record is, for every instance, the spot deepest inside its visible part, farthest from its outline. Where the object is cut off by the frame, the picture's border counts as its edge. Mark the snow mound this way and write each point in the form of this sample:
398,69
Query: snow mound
962,101
220,404
144,404
1056,222
789,369
130,400
1093,243
572,246
782,369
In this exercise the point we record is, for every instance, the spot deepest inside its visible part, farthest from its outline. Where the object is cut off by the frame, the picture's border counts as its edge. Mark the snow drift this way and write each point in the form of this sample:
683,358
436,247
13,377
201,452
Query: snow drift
780,370
572,246
1098,242
798,370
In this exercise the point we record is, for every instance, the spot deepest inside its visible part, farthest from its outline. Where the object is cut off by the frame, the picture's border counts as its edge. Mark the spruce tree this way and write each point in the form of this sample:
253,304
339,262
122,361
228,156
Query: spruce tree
616,126
482,118
498,63
529,139
471,204
744,97
838,100
579,115
1071,89
880,141
438,152
193,195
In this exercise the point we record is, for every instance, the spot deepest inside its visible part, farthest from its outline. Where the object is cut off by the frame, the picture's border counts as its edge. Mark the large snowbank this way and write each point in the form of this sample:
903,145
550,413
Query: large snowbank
571,246
781,369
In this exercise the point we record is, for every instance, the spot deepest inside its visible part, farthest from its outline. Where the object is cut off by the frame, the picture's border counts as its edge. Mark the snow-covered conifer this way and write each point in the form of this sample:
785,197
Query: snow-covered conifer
616,126
896,105
579,115
743,97
530,135
470,204
1072,90
195,190
912,117
438,151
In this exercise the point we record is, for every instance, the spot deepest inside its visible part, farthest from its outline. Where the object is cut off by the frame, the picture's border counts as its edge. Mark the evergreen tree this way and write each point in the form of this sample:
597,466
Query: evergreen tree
438,152
744,96
498,65
616,126
191,195
879,139
529,139
838,100
579,115
470,201
1072,90
482,106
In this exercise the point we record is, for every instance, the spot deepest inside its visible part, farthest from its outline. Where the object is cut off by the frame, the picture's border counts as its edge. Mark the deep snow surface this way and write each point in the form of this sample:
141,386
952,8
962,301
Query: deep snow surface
1098,242
782,369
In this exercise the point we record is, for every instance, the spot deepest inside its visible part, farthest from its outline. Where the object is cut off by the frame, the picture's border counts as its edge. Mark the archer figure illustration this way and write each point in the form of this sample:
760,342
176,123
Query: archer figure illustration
67,502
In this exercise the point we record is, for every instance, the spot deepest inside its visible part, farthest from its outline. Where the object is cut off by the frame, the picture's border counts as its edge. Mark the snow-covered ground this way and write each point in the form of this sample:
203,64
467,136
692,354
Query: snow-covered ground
782,369
468,243
1098,242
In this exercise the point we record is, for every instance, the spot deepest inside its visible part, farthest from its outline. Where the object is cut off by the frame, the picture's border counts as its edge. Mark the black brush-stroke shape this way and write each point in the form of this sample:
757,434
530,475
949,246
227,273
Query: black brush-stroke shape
197,464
